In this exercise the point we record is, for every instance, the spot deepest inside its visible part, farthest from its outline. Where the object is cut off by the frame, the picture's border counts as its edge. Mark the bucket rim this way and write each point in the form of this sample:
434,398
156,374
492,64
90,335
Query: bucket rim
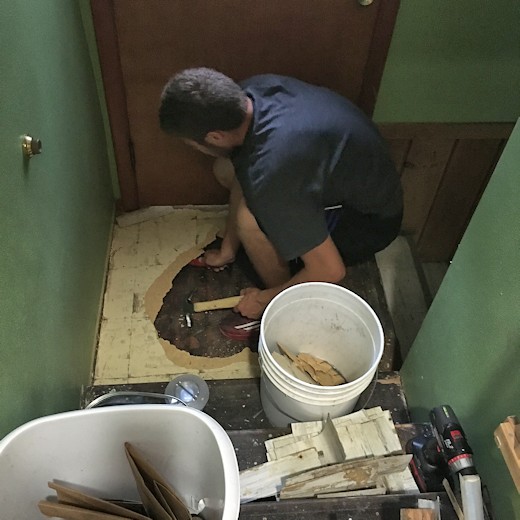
334,287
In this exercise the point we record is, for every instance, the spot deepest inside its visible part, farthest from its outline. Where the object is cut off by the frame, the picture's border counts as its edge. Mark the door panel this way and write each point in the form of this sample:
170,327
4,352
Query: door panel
328,42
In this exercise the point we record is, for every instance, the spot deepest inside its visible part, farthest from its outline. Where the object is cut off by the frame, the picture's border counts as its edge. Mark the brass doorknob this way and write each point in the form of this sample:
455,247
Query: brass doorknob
31,146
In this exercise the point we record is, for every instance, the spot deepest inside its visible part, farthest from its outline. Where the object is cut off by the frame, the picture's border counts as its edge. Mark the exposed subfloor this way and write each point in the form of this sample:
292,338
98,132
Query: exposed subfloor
143,338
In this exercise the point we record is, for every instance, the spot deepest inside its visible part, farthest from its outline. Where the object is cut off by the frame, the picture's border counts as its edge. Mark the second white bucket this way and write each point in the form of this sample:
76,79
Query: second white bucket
331,323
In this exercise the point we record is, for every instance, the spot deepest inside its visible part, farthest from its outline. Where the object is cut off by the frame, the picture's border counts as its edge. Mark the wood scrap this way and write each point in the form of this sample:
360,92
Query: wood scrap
321,371
366,433
265,480
507,437
326,443
400,482
367,440
292,368
424,503
417,514
356,493
346,476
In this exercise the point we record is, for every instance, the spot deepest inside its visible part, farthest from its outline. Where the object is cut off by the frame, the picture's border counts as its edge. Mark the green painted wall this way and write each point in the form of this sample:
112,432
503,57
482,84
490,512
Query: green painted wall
453,62
56,210
467,353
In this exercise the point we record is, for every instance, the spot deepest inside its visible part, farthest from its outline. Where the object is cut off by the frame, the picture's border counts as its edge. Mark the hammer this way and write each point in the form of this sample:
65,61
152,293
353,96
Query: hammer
210,305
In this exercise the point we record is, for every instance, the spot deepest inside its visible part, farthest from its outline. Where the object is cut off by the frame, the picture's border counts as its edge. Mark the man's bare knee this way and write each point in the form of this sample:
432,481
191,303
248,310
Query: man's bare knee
224,172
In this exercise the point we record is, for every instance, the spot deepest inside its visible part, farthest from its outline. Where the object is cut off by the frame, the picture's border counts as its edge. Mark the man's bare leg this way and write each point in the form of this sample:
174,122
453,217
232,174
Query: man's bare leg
270,266
242,228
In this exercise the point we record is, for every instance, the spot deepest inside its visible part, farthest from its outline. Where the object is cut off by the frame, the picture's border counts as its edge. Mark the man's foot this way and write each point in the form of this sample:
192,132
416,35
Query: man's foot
239,328
201,262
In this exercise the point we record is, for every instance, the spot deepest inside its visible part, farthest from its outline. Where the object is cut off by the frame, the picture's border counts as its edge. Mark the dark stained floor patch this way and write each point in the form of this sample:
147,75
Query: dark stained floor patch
204,337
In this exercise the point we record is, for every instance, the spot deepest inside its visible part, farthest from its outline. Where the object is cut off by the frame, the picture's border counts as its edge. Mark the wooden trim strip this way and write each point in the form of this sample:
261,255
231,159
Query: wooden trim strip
108,47
381,38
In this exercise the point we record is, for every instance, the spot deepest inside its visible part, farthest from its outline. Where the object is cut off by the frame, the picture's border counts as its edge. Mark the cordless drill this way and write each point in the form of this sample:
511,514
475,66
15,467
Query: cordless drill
446,455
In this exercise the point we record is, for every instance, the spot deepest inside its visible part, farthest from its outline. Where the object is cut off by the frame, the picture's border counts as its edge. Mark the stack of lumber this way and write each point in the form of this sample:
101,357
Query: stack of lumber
357,454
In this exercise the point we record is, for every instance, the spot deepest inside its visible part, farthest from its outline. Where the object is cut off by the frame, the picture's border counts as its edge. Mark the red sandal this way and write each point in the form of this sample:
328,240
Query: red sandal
237,327
200,262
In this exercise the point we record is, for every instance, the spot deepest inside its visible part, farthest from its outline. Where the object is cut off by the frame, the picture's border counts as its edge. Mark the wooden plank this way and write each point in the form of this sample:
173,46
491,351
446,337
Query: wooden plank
236,404
346,476
108,47
447,130
470,166
346,508
420,178
266,480
381,37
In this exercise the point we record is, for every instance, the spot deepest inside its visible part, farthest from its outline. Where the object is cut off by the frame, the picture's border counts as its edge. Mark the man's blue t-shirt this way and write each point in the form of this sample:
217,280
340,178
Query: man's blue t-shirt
308,148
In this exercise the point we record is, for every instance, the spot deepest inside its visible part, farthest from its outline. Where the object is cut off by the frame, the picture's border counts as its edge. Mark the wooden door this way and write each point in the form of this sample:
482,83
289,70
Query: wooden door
340,44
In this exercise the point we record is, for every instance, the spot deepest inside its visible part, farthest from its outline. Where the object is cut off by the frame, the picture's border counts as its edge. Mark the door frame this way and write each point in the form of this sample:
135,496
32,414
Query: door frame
103,15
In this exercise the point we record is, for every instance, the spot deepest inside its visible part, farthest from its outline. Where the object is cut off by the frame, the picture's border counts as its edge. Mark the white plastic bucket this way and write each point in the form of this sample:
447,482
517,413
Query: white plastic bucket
85,448
333,324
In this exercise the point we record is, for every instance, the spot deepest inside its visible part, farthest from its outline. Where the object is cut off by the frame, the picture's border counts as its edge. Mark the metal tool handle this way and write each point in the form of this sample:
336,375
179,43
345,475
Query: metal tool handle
129,393
222,303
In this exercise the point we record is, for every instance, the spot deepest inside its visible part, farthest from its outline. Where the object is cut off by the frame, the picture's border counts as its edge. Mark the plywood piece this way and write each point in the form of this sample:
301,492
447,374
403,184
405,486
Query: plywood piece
266,479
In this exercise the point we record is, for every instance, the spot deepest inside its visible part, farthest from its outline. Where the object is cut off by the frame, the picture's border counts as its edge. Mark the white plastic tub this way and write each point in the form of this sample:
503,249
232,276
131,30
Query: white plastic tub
85,448
331,323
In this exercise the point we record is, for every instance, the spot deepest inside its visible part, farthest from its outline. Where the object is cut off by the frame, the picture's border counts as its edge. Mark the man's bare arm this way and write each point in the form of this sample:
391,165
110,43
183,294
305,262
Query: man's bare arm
321,264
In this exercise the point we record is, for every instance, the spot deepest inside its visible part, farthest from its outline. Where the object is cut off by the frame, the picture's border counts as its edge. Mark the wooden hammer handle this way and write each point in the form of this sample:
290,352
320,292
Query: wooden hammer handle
211,305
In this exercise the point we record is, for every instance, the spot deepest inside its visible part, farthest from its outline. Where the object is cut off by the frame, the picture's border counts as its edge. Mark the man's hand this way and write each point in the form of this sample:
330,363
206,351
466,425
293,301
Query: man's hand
321,264
253,302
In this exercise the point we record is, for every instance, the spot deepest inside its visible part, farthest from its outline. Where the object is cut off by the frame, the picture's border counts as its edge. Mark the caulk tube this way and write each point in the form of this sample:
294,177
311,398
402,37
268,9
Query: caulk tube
471,493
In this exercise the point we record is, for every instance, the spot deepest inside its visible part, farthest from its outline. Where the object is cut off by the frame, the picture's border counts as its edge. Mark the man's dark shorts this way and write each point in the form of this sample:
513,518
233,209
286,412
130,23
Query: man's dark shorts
358,236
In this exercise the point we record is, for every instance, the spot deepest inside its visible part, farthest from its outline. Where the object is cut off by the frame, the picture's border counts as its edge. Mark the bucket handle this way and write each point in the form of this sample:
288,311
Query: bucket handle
129,393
